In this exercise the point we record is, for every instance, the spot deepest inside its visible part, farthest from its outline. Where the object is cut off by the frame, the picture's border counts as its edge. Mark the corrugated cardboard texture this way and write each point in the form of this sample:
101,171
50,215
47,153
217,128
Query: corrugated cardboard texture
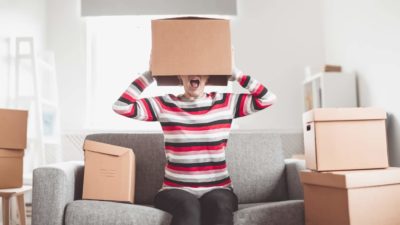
325,206
367,197
13,128
11,168
346,144
375,205
109,172
191,46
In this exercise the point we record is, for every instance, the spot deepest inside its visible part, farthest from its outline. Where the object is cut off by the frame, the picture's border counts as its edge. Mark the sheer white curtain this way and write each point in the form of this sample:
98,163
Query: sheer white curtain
118,50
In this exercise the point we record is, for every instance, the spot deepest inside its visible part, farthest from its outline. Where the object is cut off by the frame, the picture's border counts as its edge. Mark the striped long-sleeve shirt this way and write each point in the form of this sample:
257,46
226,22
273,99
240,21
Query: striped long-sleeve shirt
195,131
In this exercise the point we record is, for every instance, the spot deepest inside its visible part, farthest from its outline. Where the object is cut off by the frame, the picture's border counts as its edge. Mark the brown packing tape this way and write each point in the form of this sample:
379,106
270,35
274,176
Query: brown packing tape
332,68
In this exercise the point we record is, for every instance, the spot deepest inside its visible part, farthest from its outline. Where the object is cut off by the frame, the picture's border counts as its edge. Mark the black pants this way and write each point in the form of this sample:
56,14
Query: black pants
215,207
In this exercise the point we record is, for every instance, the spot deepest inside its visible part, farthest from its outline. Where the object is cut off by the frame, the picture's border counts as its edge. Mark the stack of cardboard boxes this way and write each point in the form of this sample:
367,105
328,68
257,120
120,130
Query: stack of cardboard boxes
13,135
348,181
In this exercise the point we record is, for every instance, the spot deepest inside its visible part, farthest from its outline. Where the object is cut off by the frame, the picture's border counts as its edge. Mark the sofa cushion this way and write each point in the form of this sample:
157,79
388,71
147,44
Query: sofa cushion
256,165
272,213
255,161
86,212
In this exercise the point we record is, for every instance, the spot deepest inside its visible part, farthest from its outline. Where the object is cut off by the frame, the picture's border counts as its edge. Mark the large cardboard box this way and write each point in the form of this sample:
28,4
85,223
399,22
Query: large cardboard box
363,197
13,135
191,46
345,139
11,168
109,172
13,128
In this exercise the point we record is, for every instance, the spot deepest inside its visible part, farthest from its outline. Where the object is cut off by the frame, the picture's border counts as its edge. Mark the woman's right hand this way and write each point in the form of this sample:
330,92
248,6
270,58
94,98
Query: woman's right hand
235,73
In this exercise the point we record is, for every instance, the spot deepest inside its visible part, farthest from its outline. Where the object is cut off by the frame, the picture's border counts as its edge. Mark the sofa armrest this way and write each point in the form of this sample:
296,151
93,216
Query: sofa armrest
293,167
54,186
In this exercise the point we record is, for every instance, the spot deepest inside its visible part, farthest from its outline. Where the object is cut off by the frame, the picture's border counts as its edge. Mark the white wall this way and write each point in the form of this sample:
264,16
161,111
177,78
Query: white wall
274,40
66,36
364,36
18,18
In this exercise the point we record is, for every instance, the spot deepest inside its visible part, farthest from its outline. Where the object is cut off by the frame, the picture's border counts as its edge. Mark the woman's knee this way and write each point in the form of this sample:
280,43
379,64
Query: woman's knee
220,199
174,201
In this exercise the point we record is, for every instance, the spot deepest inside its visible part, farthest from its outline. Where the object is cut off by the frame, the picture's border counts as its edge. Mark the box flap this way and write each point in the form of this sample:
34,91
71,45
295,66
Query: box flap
104,148
11,153
13,128
340,114
352,179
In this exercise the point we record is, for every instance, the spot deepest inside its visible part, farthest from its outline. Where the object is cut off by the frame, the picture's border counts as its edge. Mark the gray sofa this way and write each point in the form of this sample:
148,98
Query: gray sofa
266,183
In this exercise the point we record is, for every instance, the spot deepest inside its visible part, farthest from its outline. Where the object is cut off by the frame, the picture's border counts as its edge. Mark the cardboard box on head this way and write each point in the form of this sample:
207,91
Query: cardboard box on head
345,139
13,135
109,172
191,46
362,197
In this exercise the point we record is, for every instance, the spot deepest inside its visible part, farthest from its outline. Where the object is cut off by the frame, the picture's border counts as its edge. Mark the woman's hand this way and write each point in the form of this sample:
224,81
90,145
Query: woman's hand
148,75
235,74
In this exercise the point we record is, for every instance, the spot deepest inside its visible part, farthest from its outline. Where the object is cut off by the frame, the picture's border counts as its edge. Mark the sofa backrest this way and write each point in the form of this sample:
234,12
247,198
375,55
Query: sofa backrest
255,161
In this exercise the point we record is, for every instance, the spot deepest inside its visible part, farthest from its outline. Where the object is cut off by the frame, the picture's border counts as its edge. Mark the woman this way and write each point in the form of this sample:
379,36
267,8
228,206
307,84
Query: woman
197,188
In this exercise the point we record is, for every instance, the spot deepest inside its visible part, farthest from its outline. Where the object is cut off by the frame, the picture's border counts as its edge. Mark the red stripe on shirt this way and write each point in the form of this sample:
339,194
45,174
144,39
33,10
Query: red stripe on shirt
147,108
194,148
242,105
211,127
128,97
140,83
198,168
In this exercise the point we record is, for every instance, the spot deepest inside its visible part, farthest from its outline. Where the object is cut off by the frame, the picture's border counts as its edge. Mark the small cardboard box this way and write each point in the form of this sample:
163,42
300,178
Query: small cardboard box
13,135
191,46
345,139
109,172
13,128
11,168
363,197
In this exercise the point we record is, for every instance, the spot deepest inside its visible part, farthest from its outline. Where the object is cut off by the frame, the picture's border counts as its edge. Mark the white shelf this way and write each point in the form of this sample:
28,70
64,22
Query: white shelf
330,89
312,78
